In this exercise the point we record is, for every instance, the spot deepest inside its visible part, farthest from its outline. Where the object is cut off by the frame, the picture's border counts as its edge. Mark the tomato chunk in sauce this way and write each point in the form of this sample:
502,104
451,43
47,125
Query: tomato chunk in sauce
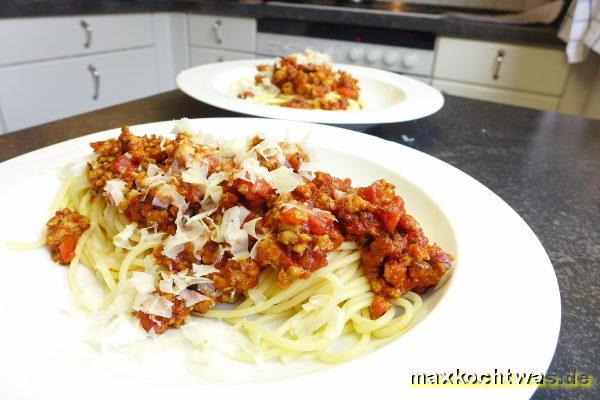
63,232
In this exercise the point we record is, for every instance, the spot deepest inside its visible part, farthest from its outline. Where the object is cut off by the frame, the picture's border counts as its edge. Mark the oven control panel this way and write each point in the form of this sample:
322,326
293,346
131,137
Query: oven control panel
398,59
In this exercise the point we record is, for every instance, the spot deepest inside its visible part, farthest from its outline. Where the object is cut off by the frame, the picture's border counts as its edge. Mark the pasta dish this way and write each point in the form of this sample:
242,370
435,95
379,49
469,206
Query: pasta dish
193,228
301,80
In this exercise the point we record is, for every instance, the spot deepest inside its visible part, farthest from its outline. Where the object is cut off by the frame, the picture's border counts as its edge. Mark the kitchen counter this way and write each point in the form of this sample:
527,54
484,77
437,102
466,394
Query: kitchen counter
543,164
435,23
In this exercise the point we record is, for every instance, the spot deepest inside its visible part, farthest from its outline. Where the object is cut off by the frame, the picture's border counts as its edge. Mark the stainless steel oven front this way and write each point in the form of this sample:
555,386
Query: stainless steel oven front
402,51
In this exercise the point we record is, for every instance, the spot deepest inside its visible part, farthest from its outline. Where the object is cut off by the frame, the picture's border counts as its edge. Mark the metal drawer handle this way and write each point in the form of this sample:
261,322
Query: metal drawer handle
88,33
96,77
498,63
217,31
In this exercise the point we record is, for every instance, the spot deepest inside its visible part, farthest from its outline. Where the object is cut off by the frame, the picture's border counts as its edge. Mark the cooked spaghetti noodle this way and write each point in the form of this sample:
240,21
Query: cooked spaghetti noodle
301,262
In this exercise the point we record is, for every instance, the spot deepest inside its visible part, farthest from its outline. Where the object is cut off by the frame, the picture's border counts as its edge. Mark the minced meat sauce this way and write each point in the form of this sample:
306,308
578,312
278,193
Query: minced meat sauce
62,234
296,229
309,85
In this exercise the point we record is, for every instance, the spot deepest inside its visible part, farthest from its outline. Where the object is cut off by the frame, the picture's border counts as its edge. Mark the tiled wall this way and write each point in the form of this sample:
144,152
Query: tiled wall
505,5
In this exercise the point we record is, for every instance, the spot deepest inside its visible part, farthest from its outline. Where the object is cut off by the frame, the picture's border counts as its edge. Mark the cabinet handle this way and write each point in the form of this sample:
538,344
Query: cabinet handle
217,31
88,33
96,77
498,64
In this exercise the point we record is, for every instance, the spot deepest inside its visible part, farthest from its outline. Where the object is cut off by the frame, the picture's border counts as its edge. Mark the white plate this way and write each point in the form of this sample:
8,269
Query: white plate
388,97
499,309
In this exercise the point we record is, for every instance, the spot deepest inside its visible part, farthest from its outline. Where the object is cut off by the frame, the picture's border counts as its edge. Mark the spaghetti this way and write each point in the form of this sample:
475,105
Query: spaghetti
240,231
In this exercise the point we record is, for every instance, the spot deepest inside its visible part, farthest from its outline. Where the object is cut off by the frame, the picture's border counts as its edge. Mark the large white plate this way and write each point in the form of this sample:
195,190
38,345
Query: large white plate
500,308
388,97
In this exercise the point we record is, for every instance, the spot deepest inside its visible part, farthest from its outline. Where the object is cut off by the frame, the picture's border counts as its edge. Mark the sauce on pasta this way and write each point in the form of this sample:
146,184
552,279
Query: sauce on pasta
228,212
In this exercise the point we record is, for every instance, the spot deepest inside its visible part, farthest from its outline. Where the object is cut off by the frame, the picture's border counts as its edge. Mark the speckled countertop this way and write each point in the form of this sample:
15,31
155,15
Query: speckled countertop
439,24
543,164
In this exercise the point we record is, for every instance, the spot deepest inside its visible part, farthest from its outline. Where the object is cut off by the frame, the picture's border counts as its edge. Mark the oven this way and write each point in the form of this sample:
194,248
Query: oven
402,51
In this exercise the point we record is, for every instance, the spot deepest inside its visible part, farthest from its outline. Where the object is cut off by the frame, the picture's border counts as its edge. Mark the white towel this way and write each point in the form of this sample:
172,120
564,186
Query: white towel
581,29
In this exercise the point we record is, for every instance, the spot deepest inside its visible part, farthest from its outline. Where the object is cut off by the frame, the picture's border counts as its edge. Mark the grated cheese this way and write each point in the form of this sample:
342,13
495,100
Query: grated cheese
114,191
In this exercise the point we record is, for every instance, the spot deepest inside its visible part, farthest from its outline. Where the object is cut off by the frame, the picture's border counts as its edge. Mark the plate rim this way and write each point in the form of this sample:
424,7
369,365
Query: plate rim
426,101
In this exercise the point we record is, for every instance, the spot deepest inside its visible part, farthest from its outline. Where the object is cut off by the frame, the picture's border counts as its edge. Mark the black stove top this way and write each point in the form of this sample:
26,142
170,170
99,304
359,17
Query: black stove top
386,6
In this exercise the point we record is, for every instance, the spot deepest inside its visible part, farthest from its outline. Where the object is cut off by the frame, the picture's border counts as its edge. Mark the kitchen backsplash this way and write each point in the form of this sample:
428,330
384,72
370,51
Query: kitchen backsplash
508,5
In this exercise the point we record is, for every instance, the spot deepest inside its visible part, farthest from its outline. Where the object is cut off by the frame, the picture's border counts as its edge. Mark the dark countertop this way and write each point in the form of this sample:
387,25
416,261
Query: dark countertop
441,24
543,164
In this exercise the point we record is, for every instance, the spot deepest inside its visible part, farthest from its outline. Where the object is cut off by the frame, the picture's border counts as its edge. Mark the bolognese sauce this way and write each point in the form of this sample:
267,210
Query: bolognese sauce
63,232
291,225
308,81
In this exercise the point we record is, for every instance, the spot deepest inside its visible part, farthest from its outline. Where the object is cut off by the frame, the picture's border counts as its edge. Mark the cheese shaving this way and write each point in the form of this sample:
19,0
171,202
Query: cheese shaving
203,270
142,282
183,125
190,231
213,192
250,227
284,180
154,176
230,230
191,297
153,304
121,239
166,195
252,171
114,191
196,173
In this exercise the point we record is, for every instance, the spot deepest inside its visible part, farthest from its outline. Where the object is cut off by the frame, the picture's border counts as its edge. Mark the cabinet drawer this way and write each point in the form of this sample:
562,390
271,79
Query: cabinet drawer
222,32
33,39
511,97
526,68
32,94
200,55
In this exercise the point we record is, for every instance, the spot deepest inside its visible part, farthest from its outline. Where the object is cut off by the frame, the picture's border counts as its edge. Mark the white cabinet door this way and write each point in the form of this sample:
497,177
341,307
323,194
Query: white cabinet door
229,33
32,39
512,97
526,68
199,56
32,94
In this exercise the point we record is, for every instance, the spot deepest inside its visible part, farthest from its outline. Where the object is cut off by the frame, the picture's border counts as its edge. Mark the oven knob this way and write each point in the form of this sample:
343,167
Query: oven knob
373,56
391,58
356,53
410,60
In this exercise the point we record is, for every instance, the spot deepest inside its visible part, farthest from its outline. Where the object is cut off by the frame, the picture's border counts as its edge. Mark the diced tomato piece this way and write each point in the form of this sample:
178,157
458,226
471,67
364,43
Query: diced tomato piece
369,193
122,166
67,249
318,225
312,260
261,188
345,92
293,216
390,214
147,322
194,195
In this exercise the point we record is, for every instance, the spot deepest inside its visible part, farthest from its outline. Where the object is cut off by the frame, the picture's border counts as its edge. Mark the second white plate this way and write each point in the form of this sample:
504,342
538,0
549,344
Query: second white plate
387,97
